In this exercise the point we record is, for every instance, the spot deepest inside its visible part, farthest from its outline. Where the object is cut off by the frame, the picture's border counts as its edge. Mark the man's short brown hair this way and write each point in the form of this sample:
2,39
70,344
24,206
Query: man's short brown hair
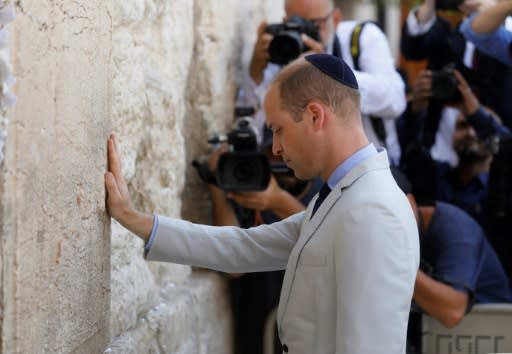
300,82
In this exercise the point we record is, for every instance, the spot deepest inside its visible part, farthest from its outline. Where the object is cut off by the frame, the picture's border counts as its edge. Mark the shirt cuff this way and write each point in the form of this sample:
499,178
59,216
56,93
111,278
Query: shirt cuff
414,27
149,243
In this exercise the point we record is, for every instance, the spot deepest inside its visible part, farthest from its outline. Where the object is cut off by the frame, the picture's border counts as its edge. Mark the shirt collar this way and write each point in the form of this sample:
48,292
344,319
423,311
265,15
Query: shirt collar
347,165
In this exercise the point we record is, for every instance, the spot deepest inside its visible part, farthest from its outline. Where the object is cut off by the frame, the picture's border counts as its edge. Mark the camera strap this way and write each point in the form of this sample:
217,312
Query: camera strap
355,47
355,51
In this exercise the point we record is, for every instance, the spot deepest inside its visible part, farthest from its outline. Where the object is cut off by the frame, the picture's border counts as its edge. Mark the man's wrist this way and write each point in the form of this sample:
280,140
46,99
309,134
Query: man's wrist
138,223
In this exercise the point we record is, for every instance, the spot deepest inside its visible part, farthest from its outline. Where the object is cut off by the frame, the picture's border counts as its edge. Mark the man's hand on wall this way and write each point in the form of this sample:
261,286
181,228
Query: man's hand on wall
119,204
274,198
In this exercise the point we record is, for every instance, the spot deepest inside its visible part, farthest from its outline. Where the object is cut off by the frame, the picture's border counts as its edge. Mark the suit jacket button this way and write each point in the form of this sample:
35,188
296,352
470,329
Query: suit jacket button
285,348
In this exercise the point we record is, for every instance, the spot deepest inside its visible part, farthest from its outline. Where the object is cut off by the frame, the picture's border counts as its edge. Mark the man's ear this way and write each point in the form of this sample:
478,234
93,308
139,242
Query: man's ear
316,114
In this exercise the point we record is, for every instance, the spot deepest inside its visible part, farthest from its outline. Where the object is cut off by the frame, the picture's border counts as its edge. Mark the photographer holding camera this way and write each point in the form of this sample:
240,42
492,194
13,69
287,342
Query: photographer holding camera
469,164
428,36
455,167
458,266
256,295
316,26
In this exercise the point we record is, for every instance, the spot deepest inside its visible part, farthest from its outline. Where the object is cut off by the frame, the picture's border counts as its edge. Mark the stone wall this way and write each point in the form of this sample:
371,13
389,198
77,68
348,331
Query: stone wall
55,236
162,75
175,68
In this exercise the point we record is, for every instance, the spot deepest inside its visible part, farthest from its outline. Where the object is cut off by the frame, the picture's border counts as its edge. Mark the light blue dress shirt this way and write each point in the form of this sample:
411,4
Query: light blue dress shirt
344,168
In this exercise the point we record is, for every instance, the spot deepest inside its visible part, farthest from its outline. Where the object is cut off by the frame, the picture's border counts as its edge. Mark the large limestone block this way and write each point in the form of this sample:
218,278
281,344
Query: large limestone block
192,318
55,235
176,65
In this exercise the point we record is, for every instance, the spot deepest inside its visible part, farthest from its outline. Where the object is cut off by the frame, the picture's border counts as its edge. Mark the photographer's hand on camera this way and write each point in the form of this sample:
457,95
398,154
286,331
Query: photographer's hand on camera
315,47
274,198
421,91
470,102
260,54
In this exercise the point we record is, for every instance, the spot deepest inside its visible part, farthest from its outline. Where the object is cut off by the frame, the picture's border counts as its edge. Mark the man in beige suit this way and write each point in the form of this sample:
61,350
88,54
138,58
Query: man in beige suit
350,261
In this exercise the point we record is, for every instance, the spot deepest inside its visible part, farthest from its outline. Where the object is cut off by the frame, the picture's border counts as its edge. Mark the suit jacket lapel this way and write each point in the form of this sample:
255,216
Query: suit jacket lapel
311,224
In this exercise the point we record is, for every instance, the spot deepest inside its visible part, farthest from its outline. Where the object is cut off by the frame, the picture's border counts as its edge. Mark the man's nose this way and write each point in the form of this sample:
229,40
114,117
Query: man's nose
276,147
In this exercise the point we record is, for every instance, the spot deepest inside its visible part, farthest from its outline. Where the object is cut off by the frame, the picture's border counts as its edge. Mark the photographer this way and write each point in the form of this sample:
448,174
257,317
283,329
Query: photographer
256,295
381,87
491,31
458,266
455,167
427,36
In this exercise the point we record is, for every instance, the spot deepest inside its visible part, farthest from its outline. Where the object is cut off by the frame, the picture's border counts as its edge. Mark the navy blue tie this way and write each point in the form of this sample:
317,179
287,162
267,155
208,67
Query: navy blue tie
324,191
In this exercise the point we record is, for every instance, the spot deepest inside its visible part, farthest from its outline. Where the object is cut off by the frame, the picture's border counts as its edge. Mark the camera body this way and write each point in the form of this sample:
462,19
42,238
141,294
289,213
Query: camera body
444,86
287,43
448,4
244,168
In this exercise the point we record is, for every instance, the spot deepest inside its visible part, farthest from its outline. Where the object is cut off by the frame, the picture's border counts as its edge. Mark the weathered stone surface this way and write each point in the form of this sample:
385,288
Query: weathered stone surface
175,72
55,236
161,74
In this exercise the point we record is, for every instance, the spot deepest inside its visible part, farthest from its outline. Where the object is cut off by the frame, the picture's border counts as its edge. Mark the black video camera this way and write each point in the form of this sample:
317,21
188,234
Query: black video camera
448,4
445,86
287,43
243,168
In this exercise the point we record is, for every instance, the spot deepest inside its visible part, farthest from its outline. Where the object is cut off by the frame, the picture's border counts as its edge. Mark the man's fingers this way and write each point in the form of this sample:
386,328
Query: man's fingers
114,167
113,194
262,27
315,46
114,164
112,189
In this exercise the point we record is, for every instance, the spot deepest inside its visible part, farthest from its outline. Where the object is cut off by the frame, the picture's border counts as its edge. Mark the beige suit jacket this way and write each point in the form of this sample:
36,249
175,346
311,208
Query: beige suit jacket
350,270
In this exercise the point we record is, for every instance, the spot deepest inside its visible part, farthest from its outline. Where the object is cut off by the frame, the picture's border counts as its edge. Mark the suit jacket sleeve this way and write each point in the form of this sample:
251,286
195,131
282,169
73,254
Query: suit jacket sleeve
226,248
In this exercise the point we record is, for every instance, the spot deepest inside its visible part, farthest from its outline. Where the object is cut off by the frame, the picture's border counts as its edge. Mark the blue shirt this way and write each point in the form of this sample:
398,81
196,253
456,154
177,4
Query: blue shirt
470,197
345,167
497,44
459,254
